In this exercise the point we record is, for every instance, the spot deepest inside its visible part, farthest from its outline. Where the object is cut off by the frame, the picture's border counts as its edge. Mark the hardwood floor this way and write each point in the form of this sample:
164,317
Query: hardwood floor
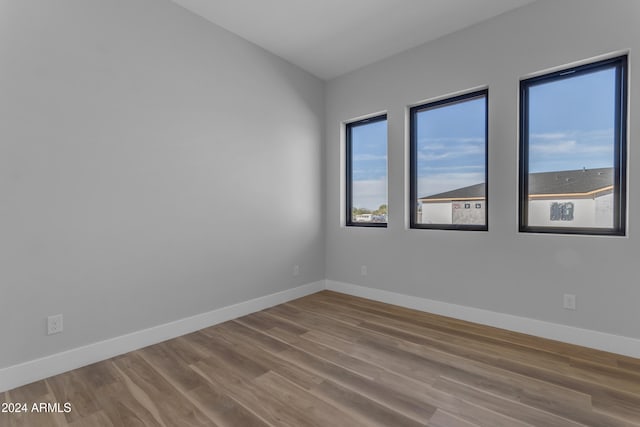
335,360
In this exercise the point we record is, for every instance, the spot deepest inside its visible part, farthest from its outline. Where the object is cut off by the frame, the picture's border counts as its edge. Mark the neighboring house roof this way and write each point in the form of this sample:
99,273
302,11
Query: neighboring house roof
472,192
581,182
573,183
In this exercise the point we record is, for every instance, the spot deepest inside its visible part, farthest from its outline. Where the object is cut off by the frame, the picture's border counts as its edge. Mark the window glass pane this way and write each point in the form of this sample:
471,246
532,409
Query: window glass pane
450,163
571,151
367,142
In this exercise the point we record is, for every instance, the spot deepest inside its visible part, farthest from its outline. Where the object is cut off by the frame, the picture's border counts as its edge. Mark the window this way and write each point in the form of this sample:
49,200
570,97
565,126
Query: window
448,163
366,159
573,150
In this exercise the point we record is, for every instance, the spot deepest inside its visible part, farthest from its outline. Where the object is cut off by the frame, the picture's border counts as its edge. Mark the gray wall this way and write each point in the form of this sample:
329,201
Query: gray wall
152,166
499,270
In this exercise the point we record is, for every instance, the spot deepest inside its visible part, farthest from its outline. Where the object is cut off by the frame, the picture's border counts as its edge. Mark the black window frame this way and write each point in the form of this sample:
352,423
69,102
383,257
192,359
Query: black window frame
349,172
620,147
413,162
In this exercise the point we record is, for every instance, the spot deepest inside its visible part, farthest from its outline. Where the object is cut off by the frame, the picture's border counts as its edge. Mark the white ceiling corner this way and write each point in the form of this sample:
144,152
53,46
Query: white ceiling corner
332,37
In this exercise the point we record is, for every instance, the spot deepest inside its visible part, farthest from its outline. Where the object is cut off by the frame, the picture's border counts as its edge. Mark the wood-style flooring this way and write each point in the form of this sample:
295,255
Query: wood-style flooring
335,360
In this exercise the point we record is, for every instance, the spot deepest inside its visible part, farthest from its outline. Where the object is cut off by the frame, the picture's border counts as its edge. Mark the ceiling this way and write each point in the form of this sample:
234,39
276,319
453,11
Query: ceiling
332,37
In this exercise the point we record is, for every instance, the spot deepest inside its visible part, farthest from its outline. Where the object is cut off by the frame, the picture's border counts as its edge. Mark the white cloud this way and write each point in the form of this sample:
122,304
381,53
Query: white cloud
432,156
449,168
552,135
441,182
365,157
561,147
439,152
448,140
575,135
369,173
590,147
570,147
369,193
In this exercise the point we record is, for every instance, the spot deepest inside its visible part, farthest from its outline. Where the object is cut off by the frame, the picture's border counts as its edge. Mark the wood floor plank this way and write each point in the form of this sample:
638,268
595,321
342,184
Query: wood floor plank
604,394
443,332
98,374
355,380
122,408
499,404
620,403
423,397
69,387
526,389
629,364
249,346
539,394
317,412
30,393
558,348
442,418
437,335
330,359
222,409
432,397
157,395
370,411
415,407
262,322
170,363
97,419
265,399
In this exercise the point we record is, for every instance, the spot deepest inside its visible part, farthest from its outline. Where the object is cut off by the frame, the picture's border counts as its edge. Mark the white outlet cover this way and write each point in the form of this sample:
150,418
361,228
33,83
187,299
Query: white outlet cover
569,302
54,324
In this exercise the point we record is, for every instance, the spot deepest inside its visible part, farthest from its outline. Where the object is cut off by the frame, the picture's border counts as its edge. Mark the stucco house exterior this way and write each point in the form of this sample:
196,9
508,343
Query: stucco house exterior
464,205
572,198
576,198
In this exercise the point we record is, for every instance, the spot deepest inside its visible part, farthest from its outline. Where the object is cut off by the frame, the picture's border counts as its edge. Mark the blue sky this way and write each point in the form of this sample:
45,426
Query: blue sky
571,127
451,146
571,123
369,160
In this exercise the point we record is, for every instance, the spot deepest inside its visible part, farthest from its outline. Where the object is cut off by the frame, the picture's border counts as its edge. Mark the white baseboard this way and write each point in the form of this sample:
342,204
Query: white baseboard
584,337
34,370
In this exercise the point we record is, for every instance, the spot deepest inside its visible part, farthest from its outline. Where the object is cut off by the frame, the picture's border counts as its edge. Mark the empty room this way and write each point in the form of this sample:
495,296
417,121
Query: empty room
319,213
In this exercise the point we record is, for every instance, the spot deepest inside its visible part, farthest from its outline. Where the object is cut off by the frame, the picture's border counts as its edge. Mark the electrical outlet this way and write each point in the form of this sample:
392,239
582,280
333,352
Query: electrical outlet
569,302
296,270
363,270
54,324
